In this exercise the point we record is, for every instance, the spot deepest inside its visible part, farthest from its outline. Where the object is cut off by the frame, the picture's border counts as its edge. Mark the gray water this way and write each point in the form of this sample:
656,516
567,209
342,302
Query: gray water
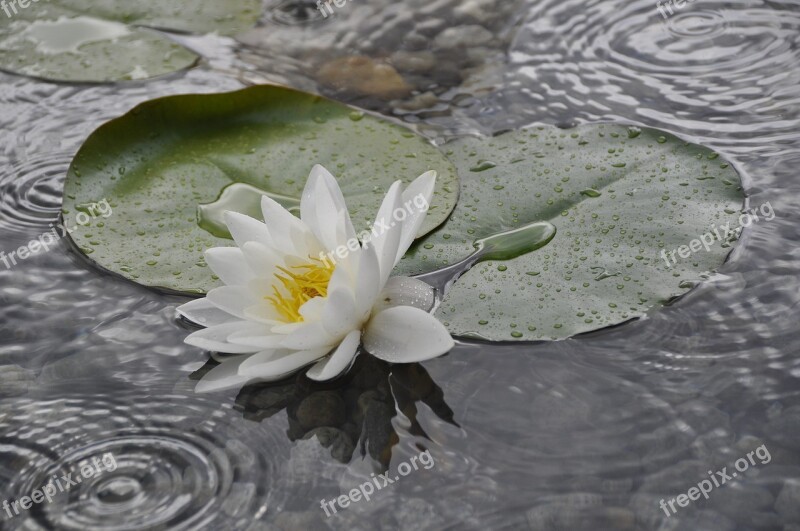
589,433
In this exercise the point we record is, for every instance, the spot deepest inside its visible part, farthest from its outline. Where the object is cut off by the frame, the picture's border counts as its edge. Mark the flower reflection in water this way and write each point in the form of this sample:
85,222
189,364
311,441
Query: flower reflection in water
351,414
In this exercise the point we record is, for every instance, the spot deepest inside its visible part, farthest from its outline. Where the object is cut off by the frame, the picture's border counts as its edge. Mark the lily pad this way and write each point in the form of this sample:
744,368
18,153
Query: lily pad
168,168
616,196
107,40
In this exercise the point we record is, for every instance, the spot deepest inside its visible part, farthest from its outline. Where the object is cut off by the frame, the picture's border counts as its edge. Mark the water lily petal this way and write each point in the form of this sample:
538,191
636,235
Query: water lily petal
368,281
280,366
287,328
263,356
221,357
204,313
421,188
351,256
321,207
262,259
222,377
388,231
308,204
405,291
327,218
332,190
215,338
246,229
339,315
289,234
313,246
333,194
308,336
233,299
229,265
256,341
312,309
342,279
403,334
263,312
339,361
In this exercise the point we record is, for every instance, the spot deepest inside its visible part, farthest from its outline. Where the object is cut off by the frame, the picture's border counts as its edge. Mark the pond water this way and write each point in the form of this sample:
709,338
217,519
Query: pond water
589,433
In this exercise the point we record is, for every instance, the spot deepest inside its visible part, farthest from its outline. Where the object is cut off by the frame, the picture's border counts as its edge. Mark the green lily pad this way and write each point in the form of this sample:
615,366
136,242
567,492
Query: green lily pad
107,40
616,196
171,165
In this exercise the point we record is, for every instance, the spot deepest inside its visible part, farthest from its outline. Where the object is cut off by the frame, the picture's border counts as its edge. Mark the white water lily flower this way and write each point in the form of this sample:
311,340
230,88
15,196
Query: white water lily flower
289,302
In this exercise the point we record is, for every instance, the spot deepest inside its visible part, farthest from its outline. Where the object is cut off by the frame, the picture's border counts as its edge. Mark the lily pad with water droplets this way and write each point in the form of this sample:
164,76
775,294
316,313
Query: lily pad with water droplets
108,40
171,166
616,196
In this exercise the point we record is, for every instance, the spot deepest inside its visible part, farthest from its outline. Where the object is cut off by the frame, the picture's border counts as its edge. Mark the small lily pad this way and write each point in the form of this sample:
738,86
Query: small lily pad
100,41
170,167
616,201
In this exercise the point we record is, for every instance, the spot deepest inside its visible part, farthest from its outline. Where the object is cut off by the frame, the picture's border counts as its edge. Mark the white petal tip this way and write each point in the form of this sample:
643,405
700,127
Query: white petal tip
237,217
320,171
318,375
214,387
339,361
429,175
404,334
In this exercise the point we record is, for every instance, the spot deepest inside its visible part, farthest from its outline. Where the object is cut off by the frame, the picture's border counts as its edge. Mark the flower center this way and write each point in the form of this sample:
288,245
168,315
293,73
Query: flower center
302,283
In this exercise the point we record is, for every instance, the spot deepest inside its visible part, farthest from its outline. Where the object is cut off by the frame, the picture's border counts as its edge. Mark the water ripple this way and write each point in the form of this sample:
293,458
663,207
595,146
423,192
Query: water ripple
724,73
30,193
175,467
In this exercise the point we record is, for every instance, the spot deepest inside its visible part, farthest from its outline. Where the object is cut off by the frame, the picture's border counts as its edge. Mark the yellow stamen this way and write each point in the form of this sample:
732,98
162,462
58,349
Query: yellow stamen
301,283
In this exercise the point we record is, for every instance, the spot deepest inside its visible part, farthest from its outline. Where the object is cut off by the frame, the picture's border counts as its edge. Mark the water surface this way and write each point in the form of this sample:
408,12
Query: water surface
588,433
